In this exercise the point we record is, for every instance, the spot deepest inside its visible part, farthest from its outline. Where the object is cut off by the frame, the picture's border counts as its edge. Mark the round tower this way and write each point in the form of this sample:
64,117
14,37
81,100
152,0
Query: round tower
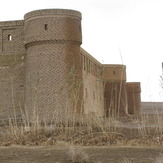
134,98
115,89
52,38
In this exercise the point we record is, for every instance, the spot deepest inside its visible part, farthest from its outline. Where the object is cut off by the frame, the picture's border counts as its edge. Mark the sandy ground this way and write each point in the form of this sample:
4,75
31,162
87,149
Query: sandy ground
23,154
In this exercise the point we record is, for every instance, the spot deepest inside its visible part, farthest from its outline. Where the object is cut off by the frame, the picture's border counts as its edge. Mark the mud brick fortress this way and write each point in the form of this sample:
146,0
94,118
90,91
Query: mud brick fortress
45,73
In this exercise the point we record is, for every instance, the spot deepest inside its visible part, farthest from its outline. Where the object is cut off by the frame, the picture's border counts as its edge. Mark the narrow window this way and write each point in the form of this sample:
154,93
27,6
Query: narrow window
81,60
114,72
80,29
89,65
95,70
86,93
46,26
93,95
9,37
84,63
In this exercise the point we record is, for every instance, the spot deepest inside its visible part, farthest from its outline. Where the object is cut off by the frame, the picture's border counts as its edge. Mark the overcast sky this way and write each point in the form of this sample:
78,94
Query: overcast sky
126,32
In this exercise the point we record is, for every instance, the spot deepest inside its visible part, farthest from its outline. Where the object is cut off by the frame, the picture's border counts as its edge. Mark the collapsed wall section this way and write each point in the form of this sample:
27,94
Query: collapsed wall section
53,64
115,95
12,53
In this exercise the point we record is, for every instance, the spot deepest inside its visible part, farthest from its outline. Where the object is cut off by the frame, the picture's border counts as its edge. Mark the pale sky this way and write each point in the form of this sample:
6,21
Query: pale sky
126,32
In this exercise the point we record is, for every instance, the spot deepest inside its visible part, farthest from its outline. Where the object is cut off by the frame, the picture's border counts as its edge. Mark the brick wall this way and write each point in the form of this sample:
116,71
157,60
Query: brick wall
134,98
53,39
45,73
92,85
115,95
12,53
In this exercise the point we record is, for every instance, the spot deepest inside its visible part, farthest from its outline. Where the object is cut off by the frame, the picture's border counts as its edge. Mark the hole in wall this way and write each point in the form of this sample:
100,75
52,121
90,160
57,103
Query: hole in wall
46,26
10,37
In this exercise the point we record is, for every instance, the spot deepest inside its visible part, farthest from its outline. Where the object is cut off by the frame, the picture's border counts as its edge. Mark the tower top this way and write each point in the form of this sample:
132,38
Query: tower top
52,12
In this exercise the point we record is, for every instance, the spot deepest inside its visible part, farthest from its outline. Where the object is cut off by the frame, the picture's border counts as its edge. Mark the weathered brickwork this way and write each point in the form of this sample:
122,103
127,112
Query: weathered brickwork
44,73
115,89
53,43
12,53
134,99
93,89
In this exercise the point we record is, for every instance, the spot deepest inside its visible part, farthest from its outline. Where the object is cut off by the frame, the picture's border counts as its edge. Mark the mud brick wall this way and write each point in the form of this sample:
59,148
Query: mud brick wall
134,97
44,73
93,89
115,95
12,53
53,63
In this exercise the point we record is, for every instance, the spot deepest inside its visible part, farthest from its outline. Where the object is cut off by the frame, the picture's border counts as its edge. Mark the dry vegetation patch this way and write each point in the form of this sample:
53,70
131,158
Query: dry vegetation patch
121,131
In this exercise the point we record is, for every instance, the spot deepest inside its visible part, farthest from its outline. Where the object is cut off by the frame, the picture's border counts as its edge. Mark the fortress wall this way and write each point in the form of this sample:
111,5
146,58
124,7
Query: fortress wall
92,85
115,89
43,67
53,63
12,53
134,98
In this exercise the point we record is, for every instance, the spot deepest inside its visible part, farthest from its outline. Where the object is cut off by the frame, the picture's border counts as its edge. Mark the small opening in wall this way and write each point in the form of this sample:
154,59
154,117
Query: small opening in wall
46,26
9,37
93,95
114,72
86,93
79,28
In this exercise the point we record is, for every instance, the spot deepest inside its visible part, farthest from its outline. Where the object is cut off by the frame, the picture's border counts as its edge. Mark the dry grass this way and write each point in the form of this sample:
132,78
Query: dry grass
113,130
130,131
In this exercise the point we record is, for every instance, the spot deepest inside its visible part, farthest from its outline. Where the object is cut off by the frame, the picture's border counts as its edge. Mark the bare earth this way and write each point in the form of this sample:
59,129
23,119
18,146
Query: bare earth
23,154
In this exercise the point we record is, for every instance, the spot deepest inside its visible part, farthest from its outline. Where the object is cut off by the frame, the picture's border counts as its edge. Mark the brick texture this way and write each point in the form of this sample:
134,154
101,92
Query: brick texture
53,51
12,53
115,89
134,99
44,73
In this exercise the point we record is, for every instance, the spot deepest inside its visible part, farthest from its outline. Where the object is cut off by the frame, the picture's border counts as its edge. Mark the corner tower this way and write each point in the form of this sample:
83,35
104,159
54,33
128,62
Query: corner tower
52,38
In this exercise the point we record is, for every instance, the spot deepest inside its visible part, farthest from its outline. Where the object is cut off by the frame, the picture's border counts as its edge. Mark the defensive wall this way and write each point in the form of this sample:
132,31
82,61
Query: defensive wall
115,89
134,98
45,73
12,53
